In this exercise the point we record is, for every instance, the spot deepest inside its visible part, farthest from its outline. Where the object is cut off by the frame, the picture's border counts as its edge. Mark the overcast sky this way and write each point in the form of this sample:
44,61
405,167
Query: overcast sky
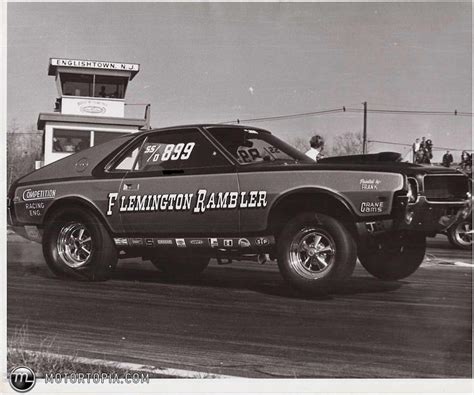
212,62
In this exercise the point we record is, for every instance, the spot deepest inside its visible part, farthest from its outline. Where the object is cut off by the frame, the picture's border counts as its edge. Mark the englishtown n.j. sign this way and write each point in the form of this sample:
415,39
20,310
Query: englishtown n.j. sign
95,64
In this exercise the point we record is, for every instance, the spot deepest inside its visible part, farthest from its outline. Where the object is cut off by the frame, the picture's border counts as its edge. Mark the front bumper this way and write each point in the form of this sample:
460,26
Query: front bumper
422,216
430,217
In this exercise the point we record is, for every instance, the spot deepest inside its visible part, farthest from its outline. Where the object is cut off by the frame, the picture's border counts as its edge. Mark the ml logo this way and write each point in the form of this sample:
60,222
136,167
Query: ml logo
22,379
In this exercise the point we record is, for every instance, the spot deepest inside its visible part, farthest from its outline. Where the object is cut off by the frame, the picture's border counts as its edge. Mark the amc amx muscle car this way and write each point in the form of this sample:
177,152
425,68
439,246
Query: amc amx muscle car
180,196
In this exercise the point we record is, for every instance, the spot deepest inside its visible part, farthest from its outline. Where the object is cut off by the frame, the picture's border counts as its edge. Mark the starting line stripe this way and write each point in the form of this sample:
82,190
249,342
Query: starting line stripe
178,373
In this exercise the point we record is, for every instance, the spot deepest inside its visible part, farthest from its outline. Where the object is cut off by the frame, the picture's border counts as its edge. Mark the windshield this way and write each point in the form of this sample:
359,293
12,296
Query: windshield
249,146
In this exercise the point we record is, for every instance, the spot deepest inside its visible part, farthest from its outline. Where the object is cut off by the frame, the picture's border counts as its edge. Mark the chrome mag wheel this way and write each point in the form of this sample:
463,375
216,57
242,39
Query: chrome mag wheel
312,253
463,233
74,245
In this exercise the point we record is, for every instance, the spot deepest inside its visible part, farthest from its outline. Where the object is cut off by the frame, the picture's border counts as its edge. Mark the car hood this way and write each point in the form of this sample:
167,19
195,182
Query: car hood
388,162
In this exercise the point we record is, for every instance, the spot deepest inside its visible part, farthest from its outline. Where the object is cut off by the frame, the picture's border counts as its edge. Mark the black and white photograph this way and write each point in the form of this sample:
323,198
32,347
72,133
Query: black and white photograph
225,191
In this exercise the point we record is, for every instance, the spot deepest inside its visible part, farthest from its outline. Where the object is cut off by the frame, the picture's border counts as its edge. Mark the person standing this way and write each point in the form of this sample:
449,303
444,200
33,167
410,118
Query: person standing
423,143
317,145
447,159
415,147
466,160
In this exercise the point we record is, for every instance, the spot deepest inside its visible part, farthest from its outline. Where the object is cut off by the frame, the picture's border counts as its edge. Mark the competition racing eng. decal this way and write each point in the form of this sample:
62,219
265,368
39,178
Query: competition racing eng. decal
198,203
38,194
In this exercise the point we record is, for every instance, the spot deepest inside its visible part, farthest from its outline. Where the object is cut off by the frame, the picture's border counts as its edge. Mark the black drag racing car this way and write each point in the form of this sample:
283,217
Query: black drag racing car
179,196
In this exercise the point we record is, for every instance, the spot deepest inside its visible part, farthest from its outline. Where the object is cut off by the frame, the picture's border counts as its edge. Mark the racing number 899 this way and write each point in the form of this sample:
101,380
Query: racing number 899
179,151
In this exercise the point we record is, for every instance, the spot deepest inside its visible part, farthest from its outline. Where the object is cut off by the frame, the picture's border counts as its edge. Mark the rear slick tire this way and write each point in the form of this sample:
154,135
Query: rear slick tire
76,245
316,253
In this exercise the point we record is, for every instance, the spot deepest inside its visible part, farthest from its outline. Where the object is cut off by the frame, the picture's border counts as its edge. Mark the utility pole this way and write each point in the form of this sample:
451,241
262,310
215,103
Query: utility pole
364,135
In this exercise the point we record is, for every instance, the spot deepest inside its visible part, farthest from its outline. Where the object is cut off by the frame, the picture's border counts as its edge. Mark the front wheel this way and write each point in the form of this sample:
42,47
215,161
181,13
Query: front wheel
315,253
76,245
460,234
395,257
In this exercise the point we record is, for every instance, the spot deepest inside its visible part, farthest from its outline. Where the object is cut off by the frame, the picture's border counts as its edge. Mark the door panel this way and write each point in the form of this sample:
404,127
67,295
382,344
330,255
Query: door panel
179,183
177,204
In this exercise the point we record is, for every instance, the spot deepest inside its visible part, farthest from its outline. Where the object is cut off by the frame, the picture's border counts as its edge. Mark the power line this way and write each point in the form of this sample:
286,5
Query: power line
288,116
409,145
414,112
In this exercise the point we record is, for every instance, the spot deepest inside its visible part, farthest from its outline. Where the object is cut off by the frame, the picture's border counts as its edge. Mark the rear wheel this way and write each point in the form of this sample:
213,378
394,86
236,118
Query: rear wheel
395,257
315,253
460,234
76,245
181,266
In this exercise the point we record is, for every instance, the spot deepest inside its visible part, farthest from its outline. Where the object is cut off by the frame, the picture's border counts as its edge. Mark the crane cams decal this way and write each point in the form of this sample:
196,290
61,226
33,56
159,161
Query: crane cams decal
40,194
199,203
371,207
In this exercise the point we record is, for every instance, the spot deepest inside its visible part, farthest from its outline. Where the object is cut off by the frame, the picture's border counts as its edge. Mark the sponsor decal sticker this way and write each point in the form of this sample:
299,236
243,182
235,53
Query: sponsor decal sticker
35,209
213,243
371,207
167,242
149,243
369,184
197,242
180,243
135,242
38,194
244,243
228,243
262,241
121,241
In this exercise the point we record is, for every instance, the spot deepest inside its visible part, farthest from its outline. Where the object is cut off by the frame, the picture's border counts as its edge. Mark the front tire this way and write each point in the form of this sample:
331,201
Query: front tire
76,245
315,253
460,234
396,257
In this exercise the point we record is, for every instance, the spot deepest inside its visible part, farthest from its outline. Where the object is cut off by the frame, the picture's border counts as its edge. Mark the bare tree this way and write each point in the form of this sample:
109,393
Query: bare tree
349,143
300,143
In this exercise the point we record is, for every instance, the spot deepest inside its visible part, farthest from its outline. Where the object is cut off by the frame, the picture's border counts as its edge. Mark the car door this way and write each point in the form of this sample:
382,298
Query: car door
174,186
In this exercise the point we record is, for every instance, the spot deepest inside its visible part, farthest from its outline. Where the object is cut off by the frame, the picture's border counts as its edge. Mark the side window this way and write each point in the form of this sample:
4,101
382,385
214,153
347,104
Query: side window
178,150
126,162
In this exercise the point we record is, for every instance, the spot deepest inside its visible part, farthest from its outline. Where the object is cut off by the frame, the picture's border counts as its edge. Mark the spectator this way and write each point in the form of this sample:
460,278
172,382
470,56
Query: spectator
69,145
415,147
447,159
102,92
419,155
423,143
57,145
317,145
429,149
466,160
